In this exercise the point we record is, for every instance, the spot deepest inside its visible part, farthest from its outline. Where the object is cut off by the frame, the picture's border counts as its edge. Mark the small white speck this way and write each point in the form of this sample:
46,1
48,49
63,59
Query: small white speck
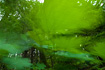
76,35
102,4
91,2
80,45
83,48
66,29
41,1
87,0
87,56
56,32
16,54
78,2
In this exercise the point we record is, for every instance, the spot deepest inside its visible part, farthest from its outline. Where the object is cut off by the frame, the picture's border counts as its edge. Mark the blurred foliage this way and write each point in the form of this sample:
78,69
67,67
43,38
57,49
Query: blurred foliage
17,63
60,22
40,66
71,55
54,35
13,37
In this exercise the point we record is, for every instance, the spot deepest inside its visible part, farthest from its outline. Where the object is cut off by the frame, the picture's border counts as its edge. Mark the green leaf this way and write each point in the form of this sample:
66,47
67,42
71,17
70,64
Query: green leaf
98,49
40,66
17,63
83,56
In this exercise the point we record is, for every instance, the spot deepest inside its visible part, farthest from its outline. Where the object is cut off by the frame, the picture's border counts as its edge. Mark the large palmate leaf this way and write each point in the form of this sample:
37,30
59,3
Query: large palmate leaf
56,20
98,49
73,15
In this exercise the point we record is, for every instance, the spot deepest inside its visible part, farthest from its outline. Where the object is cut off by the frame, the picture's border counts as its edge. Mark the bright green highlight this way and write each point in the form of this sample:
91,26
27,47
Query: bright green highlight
65,17
73,15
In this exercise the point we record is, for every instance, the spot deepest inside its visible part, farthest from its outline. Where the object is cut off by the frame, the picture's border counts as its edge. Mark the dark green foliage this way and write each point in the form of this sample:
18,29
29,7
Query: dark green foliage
13,37
40,66
11,47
